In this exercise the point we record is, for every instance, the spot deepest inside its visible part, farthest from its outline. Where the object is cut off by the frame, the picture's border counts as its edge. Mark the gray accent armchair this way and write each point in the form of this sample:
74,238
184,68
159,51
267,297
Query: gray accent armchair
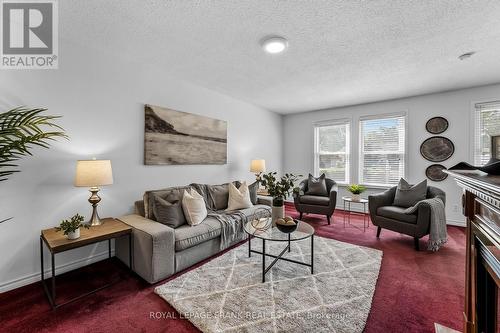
316,204
384,215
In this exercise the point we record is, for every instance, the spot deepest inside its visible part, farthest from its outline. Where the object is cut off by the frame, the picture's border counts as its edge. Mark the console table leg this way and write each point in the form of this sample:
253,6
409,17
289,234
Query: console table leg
53,279
289,248
109,248
130,253
41,260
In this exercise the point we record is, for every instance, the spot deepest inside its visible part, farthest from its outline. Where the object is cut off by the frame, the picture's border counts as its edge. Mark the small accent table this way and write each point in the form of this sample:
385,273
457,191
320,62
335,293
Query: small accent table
56,242
348,212
303,231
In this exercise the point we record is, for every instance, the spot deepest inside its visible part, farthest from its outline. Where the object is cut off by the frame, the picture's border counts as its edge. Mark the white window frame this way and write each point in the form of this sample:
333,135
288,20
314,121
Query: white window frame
360,147
475,144
333,122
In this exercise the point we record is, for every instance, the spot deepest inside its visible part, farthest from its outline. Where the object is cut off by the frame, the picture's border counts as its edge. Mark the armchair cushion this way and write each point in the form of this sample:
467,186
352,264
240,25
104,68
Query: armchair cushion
316,186
315,200
408,195
396,213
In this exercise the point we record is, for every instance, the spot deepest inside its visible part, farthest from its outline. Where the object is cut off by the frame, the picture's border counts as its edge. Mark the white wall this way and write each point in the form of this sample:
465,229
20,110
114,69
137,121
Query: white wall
102,104
456,106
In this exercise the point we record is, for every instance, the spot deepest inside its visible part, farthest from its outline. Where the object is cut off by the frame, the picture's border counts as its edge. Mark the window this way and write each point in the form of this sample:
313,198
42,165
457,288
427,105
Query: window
331,153
382,150
486,126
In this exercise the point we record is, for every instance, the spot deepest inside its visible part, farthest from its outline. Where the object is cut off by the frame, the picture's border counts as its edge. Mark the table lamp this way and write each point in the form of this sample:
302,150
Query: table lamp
258,167
93,173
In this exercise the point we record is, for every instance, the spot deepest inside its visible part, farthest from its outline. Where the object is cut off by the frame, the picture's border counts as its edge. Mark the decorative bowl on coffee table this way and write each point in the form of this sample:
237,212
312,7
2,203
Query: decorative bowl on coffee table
286,228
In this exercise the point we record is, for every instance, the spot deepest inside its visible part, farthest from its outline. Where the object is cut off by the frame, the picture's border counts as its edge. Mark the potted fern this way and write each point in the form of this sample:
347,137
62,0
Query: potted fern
356,191
71,227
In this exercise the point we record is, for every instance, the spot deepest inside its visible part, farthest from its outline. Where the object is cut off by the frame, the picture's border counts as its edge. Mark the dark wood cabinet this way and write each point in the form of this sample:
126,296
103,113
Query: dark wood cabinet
481,207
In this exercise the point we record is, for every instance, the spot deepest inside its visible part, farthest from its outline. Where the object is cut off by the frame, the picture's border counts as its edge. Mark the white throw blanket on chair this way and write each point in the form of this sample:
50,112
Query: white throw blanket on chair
437,234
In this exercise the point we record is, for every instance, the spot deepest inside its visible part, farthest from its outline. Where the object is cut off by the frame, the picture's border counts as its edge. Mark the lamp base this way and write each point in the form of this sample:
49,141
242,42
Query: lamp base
94,200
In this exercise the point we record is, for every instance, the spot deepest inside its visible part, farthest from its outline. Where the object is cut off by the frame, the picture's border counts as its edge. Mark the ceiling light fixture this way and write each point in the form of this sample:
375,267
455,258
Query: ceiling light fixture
274,44
466,55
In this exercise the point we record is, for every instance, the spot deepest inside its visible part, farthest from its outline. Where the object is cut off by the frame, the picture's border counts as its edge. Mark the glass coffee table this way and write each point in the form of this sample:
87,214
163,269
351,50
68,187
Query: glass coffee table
273,234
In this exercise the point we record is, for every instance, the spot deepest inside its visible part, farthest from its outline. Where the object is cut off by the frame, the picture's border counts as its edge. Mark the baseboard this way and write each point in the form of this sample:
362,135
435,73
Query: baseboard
457,223
31,278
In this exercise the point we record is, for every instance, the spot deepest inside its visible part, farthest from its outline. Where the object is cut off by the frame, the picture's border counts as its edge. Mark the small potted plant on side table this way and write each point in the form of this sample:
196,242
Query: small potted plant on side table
356,191
71,227
279,189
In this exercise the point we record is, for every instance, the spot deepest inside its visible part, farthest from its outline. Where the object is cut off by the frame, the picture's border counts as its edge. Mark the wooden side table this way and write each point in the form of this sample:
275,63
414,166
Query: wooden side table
56,242
348,212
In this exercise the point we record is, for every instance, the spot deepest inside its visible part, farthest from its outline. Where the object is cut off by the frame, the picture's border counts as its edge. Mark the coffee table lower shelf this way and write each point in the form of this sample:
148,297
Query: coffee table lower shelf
279,256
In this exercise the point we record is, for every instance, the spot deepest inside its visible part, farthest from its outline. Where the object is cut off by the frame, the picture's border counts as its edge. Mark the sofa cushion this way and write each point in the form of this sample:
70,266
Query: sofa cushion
168,213
218,195
408,195
170,194
194,207
239,198
316,186
314,200
253,191
187,236
396,213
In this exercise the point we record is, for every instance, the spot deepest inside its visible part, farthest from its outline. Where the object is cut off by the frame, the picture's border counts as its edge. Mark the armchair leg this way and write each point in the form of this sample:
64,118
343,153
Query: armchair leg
328,218
300,216
417,243
378,231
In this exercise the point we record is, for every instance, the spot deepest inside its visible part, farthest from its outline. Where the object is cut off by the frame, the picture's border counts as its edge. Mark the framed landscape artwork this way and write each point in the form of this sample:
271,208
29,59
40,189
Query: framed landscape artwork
175,137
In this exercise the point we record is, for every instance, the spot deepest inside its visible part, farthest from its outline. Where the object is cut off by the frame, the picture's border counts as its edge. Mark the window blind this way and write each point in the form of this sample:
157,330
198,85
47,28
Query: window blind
382,150
486,126
332,150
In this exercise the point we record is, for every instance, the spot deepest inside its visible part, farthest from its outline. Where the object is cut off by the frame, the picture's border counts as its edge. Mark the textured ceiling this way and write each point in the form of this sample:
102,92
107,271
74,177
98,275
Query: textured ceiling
340,52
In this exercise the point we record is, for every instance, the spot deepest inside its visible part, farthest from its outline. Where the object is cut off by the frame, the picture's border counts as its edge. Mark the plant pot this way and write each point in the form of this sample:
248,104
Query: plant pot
278,212
74,235
356,197
278,209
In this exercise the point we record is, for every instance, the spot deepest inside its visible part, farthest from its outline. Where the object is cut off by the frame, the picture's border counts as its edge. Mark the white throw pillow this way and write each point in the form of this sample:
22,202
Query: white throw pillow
239,198
194,207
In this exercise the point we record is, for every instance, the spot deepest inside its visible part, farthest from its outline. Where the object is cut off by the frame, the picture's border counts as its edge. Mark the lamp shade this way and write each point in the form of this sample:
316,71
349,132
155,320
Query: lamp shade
257,166
91,173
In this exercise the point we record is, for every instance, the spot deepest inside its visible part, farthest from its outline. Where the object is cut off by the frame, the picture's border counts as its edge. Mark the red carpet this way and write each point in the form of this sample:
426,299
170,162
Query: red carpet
414,290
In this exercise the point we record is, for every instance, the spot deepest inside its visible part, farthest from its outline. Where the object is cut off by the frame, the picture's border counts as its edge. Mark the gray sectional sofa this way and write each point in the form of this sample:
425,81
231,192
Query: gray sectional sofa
160,250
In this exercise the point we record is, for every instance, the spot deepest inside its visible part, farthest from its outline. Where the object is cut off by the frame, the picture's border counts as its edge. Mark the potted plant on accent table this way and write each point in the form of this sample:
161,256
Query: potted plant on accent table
356,191
279,190
71,227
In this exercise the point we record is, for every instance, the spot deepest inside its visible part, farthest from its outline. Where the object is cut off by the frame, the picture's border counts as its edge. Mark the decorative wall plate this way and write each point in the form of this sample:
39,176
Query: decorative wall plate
435,172
437,149
436,125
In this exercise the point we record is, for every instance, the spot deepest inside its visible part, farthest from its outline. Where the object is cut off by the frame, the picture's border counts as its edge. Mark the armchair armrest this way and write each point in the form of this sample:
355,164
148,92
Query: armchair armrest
302,190
153,248
385,198
333,195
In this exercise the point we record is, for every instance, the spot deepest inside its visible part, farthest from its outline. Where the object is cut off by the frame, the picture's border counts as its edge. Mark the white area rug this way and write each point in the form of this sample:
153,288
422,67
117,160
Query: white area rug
227,295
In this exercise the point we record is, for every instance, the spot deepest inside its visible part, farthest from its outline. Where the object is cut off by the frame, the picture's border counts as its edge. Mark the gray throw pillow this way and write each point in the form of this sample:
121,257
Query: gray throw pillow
252,188
219,195
316,186
408,195
168,213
